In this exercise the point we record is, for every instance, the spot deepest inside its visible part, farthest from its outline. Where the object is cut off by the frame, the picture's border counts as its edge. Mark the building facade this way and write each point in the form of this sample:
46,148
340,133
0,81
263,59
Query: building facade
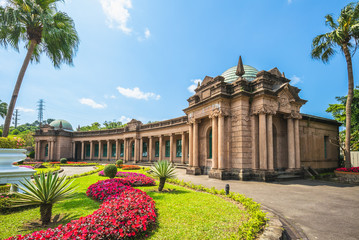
244,124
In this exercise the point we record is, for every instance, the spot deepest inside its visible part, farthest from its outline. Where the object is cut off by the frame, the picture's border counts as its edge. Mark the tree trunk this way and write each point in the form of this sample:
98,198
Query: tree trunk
348,109
46,212
10,110
162,184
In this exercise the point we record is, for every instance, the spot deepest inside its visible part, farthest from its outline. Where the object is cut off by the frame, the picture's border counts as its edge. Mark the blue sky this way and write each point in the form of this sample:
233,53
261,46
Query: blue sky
138,58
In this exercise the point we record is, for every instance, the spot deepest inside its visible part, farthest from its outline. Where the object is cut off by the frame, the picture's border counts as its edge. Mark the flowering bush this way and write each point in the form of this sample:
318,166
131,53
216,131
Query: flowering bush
353,169
123,174
68,163
26,166
125,212
11,142
130,167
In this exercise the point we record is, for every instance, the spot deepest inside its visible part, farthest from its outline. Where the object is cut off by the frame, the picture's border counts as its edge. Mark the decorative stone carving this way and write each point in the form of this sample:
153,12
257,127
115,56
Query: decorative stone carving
294,115
264,109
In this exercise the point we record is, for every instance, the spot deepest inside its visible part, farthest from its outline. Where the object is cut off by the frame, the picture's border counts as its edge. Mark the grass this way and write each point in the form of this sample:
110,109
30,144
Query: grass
182,213
47,169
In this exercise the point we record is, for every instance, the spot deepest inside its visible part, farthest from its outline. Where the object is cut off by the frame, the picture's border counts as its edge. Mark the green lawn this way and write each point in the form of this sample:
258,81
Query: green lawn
182,213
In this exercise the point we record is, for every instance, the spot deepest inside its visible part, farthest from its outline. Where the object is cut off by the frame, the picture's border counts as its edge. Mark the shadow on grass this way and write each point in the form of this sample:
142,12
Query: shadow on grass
80,200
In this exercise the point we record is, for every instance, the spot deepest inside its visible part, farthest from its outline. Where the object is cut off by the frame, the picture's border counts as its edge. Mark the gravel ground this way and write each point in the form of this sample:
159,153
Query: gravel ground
69,171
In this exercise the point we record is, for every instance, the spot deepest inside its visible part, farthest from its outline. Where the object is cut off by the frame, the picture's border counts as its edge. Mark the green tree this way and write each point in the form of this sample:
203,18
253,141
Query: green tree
344,35
44,30
3,109
163,170
44,191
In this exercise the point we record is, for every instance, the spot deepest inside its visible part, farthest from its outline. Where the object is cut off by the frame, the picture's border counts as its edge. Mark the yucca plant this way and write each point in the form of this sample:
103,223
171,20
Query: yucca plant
163,170
44,191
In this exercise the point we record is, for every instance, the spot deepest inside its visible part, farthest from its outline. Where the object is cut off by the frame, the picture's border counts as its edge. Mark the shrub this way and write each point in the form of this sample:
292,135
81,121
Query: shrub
163,170
119,163
130,167
32,154
15,132
123,174
63,160
110,170
5,188
11,142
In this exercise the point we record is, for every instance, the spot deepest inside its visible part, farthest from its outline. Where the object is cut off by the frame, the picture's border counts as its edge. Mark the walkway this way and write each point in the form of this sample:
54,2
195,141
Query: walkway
323,210
69,171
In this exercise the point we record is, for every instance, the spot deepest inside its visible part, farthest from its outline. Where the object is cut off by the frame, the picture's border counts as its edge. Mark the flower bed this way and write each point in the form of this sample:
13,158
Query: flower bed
125,213
130,167
349,175
123,174
353,169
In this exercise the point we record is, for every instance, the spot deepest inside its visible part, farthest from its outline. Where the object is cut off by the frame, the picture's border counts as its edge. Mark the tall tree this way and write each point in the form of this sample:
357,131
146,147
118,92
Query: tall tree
344,35
44,29
3,109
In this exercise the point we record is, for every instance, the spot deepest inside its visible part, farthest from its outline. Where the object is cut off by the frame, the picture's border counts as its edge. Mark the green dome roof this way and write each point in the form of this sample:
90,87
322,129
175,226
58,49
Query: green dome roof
65,124
230,74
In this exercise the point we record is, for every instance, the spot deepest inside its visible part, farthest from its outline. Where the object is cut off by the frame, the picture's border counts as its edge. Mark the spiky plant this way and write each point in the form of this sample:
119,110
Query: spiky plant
44,191
163,170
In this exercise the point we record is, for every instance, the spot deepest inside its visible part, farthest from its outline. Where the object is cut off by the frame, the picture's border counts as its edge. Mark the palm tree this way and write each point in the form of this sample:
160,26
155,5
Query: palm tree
44,191
163,170
43,29
344,34
3,109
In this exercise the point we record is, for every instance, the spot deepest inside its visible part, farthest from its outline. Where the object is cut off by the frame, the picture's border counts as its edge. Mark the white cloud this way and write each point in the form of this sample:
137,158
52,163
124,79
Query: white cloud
110,96
290,1
124,119
26,110
194,85
117,13
295,80
147,35
137,93
91,103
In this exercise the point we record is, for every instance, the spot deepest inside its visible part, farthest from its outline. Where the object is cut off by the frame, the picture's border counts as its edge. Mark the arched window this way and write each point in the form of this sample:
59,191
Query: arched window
210,144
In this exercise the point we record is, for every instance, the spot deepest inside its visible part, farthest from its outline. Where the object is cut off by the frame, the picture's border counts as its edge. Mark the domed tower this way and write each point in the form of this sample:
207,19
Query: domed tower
61,124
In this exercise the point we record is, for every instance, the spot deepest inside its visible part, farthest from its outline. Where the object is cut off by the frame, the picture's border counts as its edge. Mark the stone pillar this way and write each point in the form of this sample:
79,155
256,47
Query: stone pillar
214,142
263,164
125,150
195,145
183,148
136,150
82,150
171,147
108,150
255,152
221,140
160,148
297,143
74,150
38,150
117,149
51,150
190,138
99,150
141,149
91,150
291,144
270,141
150,147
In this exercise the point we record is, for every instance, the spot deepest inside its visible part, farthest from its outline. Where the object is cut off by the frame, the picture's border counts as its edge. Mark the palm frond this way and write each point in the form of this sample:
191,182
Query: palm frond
164,169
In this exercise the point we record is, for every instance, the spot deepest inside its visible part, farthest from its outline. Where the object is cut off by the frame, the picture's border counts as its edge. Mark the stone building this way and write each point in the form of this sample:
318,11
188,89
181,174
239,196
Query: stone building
243,124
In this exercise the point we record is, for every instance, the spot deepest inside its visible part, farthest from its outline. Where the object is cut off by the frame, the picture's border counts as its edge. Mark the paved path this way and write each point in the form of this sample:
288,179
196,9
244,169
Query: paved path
69,171
323,210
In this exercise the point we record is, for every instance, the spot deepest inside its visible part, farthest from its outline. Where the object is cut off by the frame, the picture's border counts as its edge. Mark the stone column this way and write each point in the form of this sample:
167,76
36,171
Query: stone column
214,142
82,150
51,150
141,149
221,142
99,150
297,143
263,142
171,147
108,150
125,149
117,149
270,141
195,145
183,148
36,153
255,152
74,150
190,138
291,144
91,150
150,147
136,150
160,148
38,150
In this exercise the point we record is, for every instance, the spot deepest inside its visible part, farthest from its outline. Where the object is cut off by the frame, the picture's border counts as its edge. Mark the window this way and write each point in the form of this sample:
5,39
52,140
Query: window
104,154
168,149
96,150
326,140
122,147
87,147
46,150
179,148
157,149
210,145
133,149
113,151
144,149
